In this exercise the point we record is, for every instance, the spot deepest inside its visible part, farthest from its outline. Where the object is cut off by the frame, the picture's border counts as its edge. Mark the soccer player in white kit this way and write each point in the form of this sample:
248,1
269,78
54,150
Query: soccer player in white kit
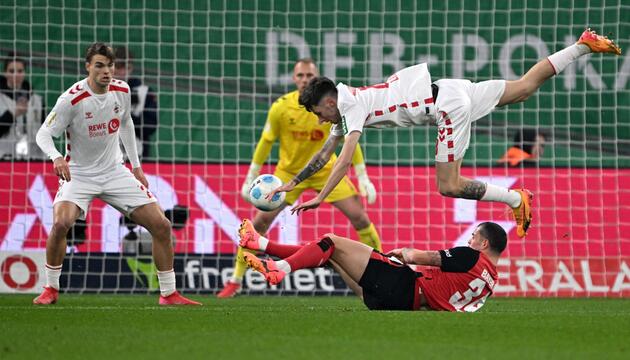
408,98
94,115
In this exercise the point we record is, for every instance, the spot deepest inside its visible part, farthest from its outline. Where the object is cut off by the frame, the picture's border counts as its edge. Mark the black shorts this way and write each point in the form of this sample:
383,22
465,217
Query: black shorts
388,285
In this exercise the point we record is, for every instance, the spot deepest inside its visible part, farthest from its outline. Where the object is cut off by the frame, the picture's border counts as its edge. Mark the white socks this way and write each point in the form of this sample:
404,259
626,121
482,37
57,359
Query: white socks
167,282
501,194
53,273
566,56
284,266
262,243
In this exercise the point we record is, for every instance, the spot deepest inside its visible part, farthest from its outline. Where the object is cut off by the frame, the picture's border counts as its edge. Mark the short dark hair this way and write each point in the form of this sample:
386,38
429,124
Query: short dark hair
12,57
99,48
495,235
317,88
525,138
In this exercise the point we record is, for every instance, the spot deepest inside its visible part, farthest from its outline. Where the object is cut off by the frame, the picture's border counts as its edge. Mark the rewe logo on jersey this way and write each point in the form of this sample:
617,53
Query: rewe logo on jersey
113,125
97,130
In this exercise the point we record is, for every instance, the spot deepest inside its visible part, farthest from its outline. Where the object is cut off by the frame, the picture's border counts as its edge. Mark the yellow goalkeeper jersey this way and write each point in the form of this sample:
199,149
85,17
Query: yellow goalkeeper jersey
299,133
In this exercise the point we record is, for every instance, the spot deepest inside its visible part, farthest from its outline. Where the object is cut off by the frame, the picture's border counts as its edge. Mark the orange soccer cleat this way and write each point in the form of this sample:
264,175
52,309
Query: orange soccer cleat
523,212
231,289
47,297
598,43
249,236
266,267
176,299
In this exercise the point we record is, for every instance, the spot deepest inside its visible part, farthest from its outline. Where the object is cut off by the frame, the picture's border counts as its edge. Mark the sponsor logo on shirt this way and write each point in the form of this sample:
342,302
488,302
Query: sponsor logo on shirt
113,125
317,135
97,130
88,115
116,108
447,253
343,125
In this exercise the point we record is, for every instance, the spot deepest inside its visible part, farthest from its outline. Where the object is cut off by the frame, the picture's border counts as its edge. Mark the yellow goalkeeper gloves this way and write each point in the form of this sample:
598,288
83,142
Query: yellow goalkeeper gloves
252,174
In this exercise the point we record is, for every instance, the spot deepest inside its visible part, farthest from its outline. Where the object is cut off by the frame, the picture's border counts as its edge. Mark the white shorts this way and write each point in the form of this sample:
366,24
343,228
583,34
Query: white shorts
459,103
119,189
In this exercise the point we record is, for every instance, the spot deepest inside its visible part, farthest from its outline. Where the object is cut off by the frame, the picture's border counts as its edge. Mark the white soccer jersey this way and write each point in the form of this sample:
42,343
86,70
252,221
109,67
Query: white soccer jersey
91,123
404,100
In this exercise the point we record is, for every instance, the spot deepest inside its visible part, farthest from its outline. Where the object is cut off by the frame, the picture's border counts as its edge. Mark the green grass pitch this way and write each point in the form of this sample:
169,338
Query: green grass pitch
256,327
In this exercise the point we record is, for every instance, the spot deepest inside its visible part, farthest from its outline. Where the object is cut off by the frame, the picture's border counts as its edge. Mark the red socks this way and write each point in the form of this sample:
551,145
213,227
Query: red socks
311,255
280,250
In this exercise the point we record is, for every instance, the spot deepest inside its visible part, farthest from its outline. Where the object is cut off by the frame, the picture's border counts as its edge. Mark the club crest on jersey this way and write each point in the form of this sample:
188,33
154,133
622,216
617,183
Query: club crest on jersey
116,108
113,125
88,115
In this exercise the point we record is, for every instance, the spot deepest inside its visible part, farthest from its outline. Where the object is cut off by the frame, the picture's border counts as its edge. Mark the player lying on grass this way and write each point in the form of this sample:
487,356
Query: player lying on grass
409,98
94,114
457,279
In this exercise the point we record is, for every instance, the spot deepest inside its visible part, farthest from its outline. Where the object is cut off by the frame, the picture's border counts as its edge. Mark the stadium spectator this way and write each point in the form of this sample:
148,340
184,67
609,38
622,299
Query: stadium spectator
144,108
456,279
408,98
94,114
21,112
528,147
300,136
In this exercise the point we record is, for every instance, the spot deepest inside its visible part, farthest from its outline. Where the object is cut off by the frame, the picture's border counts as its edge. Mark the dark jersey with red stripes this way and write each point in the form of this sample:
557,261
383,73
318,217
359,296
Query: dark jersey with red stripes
462,283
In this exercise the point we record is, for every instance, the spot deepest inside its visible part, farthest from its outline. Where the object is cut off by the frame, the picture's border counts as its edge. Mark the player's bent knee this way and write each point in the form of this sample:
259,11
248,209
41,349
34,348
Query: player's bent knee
62,226
447,189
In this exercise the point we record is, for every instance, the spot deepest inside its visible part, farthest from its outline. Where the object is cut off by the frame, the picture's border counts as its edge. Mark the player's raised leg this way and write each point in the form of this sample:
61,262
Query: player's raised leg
151,217
451,183
519,90
352,256
261,223
65,213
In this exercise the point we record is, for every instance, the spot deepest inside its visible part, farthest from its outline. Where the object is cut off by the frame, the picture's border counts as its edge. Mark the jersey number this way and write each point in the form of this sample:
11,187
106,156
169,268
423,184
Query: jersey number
384,85
464,302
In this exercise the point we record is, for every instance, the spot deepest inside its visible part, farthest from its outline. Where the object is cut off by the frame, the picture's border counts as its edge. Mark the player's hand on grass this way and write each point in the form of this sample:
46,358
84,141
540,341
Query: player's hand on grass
139,174
311,204
61,168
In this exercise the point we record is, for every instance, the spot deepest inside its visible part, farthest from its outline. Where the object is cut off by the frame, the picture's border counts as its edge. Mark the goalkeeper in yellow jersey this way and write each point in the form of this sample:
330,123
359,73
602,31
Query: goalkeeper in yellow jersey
301,136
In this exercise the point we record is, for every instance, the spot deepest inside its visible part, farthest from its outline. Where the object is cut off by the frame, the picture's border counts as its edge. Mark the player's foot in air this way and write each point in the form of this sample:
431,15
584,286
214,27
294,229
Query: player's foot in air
249,236
598,43
268,268
231,289
47,297
523,213
177,299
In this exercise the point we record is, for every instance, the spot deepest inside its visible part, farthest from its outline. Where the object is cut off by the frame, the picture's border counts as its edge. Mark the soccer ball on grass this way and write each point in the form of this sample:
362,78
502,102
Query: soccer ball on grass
262,186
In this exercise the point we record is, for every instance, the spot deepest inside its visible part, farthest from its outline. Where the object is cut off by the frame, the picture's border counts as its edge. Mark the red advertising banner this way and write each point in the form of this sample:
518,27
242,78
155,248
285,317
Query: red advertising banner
579,242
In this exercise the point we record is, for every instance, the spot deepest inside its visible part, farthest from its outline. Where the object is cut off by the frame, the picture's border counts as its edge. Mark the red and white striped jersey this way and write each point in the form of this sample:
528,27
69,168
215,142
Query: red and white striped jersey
91,123
404,100
463,282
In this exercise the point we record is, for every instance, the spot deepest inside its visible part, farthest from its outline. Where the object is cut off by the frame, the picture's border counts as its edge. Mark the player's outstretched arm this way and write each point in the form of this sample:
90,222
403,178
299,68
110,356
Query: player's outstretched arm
338,172
319,160
417,257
